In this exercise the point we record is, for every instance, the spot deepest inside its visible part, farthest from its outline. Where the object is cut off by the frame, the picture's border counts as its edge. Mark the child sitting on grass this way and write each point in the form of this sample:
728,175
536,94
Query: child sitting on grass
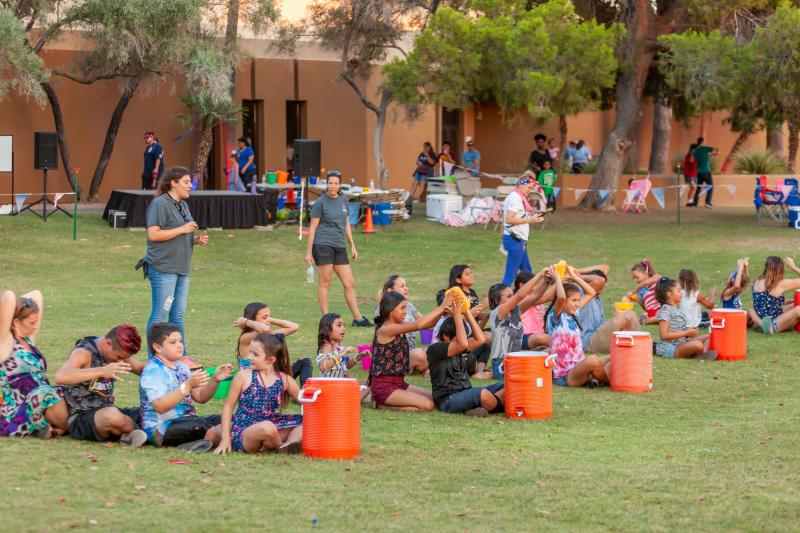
771,313
390,357
533,318
646,278
678,340
333,357
505,318
571,367
449,362
461,277
397,283
737,281
256,319
167,390
691,298
260,391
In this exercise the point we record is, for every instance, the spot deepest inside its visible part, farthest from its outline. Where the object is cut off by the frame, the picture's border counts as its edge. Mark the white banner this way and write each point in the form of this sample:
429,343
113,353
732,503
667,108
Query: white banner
731,190
448,168
579,193
56,197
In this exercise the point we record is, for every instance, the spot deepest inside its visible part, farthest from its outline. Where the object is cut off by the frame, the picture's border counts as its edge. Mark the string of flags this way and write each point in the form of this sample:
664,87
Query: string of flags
19,198
659,193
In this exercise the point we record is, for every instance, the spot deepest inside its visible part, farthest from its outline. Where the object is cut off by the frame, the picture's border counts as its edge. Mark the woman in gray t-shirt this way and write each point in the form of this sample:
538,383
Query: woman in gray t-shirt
170,238
327,249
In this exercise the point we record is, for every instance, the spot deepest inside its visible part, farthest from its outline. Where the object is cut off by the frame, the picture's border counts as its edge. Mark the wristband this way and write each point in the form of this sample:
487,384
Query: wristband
182,388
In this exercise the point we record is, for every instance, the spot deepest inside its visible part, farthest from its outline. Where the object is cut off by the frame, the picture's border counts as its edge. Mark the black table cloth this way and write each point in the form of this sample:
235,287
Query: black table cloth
210,209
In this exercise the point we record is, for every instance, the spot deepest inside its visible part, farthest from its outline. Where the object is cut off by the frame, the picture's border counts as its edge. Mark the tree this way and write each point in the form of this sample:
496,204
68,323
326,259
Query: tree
21,70
363,32
542,60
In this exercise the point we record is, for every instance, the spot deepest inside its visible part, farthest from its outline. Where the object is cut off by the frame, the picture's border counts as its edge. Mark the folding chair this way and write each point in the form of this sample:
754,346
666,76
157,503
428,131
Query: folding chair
772,201
470,189
636,196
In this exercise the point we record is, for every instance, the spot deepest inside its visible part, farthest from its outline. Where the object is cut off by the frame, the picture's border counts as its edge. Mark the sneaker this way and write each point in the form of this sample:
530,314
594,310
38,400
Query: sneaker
480,412
291,448
362,322
198,446
708,206
710,355
592,384
691,204
134,439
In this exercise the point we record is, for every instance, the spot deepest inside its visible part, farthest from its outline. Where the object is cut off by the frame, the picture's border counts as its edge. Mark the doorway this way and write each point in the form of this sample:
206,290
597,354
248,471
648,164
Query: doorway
451,129
251,119
295,127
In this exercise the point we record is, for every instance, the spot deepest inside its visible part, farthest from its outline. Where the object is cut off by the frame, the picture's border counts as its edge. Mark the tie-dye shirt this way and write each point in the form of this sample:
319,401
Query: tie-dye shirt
157,381
565,342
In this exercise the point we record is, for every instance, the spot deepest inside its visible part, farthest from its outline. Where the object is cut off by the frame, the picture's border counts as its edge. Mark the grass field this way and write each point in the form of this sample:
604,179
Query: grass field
714,446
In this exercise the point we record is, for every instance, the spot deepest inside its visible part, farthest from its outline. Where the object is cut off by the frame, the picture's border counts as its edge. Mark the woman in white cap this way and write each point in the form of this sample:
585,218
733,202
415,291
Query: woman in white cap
518,215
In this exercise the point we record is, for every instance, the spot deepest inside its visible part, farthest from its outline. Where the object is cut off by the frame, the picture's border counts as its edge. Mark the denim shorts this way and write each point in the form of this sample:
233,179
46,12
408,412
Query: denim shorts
496,369
666,349
562,381
420,177
469,399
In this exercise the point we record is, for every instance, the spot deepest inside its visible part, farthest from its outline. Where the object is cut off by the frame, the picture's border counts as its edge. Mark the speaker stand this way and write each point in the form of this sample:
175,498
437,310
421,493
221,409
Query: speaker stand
44,200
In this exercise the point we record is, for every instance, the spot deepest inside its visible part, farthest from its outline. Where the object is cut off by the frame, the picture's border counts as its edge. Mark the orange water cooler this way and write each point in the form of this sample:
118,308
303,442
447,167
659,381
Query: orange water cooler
331,417
631,363
729,333
797,304
528,384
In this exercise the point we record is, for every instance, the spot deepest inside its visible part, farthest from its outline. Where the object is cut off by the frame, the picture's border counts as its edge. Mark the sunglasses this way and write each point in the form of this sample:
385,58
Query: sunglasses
525,182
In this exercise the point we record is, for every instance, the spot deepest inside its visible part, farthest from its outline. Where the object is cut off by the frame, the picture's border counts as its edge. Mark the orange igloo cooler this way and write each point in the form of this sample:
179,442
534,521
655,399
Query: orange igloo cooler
631,364
729,333
331,417
528,378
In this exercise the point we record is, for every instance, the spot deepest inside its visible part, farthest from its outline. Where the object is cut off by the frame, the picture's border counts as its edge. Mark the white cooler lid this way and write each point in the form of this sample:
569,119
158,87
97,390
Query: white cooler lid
528,354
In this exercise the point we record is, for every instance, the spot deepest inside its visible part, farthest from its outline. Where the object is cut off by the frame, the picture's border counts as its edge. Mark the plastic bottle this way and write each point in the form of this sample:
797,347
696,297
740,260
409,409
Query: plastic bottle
253,186
264,179
310,274
371,184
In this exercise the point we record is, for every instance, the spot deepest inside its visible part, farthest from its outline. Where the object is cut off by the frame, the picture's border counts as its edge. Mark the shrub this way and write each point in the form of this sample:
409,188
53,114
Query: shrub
756,161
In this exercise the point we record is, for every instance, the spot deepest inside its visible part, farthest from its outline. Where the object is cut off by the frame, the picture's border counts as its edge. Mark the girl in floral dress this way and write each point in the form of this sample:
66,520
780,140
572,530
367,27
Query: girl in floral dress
571,368
30,404
260,391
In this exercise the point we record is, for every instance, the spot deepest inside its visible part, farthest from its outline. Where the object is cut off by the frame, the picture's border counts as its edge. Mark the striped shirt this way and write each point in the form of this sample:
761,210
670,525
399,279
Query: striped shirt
339,368
677,322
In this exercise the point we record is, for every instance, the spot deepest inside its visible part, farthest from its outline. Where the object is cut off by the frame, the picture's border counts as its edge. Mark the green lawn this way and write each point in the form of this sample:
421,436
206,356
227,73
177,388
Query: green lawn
714,446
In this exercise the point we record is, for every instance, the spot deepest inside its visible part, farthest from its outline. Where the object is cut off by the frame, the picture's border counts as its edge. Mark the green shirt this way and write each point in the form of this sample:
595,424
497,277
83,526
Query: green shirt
547,178
703,156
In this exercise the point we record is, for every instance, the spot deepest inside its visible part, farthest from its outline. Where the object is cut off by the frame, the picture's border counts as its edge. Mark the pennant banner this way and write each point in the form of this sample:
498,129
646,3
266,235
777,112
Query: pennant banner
556,191
683,189
704,188
448,168
579,193
603,195
731,190
20,199
630,195
658,194
787,190
56,197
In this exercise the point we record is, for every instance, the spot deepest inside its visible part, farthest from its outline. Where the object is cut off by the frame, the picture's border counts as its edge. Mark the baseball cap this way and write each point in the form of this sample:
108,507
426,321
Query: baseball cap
334,173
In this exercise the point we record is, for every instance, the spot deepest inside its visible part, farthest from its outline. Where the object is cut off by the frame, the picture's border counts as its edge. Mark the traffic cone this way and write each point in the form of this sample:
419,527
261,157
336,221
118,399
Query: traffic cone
368,227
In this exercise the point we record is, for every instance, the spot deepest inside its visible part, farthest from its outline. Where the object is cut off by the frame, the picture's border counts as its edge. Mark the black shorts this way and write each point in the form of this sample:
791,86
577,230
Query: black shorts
82,426
187,429
324,254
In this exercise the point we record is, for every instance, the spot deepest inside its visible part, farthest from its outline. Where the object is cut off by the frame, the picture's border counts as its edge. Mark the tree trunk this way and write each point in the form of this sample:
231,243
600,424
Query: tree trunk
659,149
231,38
703,123
562,142
636,53
775,138
737,145
794,140
204,144
61,134
111,135
377,140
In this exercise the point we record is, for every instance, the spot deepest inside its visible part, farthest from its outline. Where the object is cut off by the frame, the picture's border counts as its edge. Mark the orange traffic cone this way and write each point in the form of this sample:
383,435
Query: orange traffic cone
368,227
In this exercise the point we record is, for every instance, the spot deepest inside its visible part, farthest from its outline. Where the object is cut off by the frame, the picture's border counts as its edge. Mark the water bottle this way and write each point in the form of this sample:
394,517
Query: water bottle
264,179
371,184
253,185
310,274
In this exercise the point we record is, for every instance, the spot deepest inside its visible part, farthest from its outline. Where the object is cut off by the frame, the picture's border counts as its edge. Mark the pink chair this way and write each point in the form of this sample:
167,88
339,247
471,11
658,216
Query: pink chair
636,196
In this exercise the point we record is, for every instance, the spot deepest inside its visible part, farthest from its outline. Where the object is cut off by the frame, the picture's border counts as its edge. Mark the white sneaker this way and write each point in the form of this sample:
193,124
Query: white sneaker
134,439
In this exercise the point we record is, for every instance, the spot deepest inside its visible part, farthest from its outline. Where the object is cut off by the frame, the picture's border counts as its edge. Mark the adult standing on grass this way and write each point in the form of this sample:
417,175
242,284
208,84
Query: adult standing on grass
31,406
580,157
690,174
518,215
472,159
153,161
426,163
88,377
702,154
246,162
540,154
170,240
327,249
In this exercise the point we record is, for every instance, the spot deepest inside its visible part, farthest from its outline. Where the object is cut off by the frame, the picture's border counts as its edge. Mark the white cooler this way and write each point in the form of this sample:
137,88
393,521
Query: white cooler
439,205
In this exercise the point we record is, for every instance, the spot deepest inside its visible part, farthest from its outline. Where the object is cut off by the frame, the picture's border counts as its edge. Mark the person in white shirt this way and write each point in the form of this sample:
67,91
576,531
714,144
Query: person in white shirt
518,215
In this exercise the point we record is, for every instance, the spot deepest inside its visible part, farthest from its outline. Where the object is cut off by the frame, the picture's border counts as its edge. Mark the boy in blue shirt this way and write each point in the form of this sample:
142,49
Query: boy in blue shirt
167,390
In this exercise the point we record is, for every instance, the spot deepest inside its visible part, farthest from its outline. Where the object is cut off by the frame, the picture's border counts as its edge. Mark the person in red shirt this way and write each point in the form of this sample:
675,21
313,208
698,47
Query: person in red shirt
690,173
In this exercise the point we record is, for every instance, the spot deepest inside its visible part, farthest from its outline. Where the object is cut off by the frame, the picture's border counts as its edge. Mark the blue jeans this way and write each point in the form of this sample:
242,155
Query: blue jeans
516,260
170,294
469,399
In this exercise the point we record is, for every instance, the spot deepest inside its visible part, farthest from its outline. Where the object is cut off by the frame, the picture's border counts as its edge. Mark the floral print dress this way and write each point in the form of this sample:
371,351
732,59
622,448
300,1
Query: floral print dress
258,403
26,392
